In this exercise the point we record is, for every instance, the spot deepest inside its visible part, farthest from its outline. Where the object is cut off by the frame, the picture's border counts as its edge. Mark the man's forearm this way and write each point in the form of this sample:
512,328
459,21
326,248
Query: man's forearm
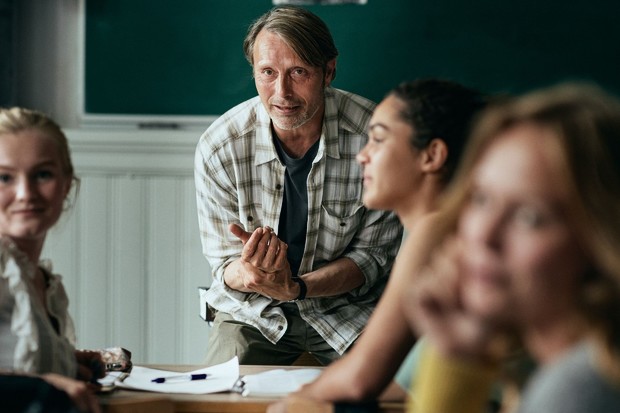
337,277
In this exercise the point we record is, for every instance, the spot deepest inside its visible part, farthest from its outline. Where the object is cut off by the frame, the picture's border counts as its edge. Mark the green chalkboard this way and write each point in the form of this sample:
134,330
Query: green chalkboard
185,57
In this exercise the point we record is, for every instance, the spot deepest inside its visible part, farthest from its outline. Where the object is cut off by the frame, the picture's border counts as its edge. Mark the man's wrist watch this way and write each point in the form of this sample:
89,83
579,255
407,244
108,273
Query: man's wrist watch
303,289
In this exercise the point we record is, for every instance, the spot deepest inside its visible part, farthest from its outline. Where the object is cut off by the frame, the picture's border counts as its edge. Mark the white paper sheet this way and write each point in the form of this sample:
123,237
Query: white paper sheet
278,382
221,378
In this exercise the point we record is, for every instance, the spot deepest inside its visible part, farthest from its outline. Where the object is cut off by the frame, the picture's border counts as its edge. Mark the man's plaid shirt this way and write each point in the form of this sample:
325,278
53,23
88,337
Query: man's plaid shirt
240,179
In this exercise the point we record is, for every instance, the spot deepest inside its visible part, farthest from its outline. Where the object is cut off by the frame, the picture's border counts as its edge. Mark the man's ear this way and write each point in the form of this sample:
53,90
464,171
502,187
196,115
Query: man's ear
435,156
330,72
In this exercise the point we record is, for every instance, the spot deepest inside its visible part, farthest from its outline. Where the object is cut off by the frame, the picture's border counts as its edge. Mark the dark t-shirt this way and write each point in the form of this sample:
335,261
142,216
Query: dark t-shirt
294,214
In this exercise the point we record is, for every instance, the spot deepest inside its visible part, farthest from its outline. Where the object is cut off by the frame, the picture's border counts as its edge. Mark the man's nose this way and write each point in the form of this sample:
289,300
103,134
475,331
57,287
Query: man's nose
283,85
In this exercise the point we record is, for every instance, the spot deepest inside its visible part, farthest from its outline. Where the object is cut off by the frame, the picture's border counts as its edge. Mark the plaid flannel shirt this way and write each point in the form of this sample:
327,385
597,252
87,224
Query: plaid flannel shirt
240,179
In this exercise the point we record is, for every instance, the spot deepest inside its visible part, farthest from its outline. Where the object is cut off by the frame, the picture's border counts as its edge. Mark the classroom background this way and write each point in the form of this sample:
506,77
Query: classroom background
134,82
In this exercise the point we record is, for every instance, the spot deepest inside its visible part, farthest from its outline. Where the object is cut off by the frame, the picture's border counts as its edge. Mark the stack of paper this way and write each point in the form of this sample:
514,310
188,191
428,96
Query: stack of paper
277,383
220,378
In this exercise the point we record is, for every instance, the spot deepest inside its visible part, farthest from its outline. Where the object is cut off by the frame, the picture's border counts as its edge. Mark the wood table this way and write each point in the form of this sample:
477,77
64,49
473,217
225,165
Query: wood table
133,401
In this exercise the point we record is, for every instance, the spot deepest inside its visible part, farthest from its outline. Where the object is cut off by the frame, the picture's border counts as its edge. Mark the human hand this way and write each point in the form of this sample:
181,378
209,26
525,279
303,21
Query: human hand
434,307
261,248
239,232
80,393
278,407
90,365
277,284
294,403
264,267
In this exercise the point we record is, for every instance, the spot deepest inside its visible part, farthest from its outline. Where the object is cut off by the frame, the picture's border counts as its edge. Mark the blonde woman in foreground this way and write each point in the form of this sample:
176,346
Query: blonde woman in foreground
529,244
36,332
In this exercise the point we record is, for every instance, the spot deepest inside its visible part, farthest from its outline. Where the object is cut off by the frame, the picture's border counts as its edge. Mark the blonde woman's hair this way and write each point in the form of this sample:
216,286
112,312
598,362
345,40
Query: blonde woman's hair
14,120
585,121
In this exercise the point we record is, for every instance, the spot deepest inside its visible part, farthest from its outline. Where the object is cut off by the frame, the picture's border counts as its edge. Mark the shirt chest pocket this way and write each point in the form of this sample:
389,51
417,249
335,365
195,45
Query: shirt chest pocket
337,228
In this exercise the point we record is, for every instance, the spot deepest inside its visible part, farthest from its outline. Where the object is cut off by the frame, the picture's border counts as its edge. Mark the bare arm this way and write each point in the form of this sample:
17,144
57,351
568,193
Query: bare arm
79,392
337,277
365,371
464,350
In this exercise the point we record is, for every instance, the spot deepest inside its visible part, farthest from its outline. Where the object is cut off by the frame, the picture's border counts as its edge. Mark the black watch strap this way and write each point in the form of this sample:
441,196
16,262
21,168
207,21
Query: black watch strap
303,289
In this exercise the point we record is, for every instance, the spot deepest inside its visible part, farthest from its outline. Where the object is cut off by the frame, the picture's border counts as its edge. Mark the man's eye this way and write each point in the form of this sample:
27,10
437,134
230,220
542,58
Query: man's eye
5,178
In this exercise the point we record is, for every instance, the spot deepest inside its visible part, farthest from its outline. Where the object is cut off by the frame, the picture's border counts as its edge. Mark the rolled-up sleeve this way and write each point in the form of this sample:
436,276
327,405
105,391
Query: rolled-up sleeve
217,207
374,247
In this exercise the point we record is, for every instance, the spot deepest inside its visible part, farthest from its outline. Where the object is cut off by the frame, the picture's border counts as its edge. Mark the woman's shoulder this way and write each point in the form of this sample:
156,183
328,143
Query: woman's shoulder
427,223
571,384
423,231
416,246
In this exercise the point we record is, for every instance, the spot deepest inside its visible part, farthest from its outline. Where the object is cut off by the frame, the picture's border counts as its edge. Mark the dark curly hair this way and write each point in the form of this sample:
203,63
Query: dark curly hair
440,109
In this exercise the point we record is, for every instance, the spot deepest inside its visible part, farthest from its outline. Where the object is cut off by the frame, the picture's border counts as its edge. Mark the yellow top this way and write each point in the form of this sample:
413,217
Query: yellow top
447,385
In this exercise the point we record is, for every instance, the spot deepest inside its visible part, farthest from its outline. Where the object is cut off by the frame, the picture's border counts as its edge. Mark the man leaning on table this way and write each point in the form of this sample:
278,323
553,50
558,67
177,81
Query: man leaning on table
298,262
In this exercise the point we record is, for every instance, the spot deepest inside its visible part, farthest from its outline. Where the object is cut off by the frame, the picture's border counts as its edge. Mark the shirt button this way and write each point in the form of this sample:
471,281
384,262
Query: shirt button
250,218
278,187
343,224
280,328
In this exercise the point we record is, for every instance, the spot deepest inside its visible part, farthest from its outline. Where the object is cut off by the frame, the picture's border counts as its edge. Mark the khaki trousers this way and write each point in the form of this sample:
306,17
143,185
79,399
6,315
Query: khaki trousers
231,338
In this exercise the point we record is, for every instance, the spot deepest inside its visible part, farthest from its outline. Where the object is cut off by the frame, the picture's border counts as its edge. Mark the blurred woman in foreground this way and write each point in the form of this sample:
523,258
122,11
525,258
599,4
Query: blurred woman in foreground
529,244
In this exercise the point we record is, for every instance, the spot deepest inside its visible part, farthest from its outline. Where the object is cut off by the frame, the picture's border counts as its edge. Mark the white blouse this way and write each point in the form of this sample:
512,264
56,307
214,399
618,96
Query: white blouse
29,341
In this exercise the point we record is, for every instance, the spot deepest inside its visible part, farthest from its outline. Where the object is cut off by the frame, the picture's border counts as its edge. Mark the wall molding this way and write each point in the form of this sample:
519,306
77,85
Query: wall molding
133,152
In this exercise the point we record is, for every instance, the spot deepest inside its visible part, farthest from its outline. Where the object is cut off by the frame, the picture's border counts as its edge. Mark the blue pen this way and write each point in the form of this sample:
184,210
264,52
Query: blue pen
180,378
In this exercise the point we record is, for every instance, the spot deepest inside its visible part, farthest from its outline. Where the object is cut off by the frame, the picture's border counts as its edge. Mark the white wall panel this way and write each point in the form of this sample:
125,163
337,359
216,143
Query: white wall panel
129,251
127,275
93,297
164,271
196,274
